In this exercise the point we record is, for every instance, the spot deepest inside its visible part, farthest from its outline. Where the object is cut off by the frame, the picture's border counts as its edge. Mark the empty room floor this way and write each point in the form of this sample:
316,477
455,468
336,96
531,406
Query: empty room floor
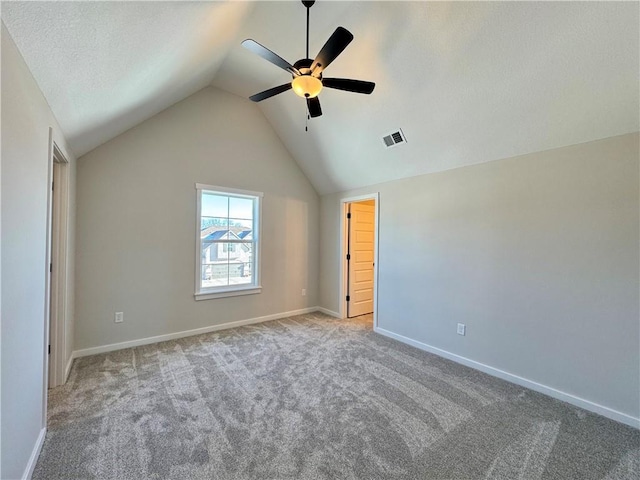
313,397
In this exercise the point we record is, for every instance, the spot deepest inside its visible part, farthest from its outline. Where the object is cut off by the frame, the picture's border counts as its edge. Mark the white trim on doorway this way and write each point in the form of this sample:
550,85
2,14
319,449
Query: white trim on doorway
342,301
59,262
47,285
55,294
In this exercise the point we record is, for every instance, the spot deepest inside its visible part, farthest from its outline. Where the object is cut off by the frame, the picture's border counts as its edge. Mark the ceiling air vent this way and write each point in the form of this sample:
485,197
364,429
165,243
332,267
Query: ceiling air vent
394,138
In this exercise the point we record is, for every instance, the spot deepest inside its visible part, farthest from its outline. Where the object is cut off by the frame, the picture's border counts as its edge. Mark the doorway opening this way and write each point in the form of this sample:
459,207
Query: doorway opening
359,256
56,341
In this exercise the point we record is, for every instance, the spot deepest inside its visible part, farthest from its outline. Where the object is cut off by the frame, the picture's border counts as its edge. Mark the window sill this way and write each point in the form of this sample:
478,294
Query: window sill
231,292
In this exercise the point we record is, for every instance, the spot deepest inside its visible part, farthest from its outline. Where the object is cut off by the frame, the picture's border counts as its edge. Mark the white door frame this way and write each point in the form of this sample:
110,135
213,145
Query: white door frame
342,300
56,308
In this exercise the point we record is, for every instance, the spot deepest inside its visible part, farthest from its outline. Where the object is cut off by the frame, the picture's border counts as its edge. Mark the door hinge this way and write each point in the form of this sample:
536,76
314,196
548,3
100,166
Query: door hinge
49,349
50,267
348,298
348,256
349,215
51,185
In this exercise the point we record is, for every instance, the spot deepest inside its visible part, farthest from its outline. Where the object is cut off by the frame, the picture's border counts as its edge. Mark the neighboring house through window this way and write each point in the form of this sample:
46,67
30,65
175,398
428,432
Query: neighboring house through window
227,242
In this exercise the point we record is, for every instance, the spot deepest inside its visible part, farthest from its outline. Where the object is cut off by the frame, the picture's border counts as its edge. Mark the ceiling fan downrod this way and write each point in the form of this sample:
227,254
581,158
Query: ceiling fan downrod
308,4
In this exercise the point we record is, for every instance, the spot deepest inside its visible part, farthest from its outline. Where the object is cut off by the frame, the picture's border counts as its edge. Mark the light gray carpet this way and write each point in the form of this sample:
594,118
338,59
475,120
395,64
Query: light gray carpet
311,397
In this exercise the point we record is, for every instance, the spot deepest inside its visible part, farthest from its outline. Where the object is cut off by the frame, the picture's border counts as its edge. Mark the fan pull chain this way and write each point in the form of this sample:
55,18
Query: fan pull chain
306,117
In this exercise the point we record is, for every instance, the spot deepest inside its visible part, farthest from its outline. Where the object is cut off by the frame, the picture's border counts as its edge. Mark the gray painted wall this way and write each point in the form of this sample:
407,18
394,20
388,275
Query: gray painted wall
537,255
26,119
137,220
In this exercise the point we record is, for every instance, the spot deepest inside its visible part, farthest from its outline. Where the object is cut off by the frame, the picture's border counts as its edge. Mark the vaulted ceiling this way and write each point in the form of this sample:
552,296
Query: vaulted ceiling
466,82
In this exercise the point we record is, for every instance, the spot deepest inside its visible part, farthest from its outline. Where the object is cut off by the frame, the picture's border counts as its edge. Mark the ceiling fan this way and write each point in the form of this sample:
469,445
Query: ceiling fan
307,73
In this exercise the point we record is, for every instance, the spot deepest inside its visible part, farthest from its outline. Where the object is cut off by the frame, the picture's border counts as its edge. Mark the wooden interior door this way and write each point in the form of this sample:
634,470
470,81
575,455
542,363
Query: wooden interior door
360,259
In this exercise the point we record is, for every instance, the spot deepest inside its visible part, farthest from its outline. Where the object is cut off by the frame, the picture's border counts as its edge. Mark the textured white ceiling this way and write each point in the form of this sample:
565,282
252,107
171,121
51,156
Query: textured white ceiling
104,67
467,82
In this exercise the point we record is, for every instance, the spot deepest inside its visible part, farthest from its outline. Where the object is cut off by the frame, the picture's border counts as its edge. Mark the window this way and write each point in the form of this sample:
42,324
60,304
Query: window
227,242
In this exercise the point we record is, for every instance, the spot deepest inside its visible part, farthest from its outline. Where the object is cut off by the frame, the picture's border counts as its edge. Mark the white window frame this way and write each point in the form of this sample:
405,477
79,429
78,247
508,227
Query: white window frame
230,290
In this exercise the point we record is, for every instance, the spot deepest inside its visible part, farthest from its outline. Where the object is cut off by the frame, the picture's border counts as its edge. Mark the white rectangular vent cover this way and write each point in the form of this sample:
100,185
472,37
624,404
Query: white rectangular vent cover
394,138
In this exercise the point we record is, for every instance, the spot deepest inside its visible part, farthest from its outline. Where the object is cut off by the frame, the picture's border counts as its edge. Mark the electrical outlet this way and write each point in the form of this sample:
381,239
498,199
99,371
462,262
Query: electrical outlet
304,292
462,328
119,317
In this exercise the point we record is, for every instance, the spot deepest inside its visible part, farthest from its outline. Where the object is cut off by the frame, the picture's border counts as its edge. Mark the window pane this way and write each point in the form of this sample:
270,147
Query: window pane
208,253
207,222
238,222
212,249
214,205
239,273
244,252
248,271
215,274
241,208
229,250
214,253
228,240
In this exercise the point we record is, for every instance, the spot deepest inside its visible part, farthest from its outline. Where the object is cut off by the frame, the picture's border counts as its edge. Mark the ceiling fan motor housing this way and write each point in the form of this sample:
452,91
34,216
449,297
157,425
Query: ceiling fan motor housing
304,66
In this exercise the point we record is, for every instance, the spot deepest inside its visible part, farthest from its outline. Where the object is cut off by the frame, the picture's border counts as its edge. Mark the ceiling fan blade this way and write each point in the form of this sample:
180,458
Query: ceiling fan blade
269,56
337,42
356,86
258,97
314,107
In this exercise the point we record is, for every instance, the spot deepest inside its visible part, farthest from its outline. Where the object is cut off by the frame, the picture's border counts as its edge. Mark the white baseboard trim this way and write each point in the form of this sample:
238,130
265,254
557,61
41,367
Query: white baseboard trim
67,369
33,459
328,312
538,387
187,333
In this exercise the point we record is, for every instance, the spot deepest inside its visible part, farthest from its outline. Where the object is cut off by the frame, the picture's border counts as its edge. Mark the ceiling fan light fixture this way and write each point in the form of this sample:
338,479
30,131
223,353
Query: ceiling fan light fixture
306,86
307,73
